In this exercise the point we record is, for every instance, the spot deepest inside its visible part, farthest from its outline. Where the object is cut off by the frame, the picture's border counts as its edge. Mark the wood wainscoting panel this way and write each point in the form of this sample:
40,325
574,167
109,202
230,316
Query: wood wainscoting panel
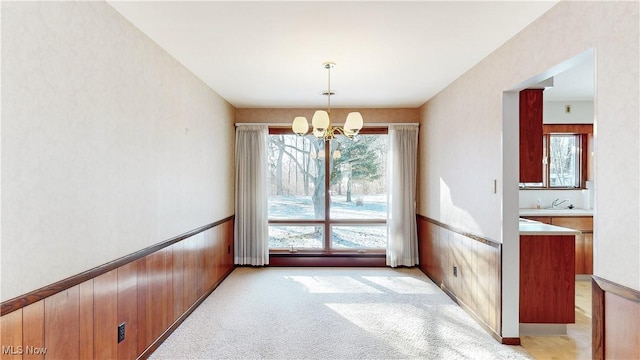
616,320
452,246
444,251
200,272
219,252
62,324
191,270
11,335
33,334
105,315
621,327
128,310
425,247
468,263
476,284
167,290
488,289
151,293
597,321
484,289
211,261
179,300
86,318
143,340
156,296
227,233
435,259
495,288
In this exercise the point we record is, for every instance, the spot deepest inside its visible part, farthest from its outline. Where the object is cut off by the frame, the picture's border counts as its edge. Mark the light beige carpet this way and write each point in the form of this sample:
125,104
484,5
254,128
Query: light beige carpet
331,313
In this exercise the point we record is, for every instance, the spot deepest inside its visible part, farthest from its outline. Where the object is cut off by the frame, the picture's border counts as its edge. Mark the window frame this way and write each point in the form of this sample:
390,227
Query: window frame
582,133
327,222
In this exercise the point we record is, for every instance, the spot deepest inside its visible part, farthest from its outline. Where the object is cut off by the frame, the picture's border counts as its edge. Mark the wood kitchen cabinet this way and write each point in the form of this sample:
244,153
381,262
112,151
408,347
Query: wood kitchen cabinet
542,219
531,143
547,281
584,241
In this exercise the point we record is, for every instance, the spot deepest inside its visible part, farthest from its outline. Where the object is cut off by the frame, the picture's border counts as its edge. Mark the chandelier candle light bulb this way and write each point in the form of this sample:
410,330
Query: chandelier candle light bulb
321,121
300,125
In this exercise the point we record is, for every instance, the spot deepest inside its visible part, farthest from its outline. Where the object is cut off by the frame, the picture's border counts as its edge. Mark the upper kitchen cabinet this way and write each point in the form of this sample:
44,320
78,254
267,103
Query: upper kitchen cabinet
531,143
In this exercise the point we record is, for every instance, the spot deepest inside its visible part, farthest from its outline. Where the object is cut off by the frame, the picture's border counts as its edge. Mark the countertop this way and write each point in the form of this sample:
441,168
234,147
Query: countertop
556,212
530,227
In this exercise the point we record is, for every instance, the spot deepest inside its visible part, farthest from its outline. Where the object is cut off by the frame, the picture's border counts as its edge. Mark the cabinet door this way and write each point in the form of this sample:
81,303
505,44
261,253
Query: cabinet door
531,135
584,241
582,223
580,258
588,253
542,219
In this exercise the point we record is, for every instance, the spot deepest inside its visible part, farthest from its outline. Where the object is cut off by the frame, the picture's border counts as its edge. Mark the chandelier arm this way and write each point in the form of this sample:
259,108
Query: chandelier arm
340,130
343,132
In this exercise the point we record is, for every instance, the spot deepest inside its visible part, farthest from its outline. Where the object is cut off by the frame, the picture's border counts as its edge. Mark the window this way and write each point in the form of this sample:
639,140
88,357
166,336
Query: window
564,161
344,211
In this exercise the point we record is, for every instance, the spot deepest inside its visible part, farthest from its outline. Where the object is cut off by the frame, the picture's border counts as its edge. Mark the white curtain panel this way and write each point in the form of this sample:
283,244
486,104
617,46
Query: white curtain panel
402,243
251,239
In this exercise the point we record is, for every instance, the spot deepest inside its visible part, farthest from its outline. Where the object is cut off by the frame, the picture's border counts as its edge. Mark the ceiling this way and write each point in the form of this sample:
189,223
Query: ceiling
387,54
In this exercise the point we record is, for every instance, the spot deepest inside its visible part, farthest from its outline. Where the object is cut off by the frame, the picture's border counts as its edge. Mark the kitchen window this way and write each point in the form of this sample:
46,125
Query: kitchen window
564,161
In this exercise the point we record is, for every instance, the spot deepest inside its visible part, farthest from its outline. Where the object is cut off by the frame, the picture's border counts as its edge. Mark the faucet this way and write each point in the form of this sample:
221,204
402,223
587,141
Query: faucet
557,203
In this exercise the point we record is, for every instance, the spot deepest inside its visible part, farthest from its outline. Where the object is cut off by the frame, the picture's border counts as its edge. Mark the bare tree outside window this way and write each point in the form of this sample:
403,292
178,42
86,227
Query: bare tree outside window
562,161
357,191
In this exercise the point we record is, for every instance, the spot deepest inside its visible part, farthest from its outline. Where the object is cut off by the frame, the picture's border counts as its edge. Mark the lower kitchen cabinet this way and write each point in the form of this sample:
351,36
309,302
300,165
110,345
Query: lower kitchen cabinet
584,241
547,281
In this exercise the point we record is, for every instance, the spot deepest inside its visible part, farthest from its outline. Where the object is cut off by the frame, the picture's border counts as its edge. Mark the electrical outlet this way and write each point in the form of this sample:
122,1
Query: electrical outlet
455,271
121,333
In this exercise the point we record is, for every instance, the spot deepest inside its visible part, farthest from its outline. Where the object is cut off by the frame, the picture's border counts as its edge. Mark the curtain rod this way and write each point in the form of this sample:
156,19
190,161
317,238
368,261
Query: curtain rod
289,124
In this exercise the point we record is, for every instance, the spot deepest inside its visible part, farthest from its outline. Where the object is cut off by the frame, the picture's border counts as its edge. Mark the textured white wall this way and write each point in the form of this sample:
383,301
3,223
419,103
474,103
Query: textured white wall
462,137
554,112
109,145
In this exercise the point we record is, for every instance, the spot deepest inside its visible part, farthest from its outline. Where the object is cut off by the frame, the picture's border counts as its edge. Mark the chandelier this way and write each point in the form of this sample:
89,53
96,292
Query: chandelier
322,128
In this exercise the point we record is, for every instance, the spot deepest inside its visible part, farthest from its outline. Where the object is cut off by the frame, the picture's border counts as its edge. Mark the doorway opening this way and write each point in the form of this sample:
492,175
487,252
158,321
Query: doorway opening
568,105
